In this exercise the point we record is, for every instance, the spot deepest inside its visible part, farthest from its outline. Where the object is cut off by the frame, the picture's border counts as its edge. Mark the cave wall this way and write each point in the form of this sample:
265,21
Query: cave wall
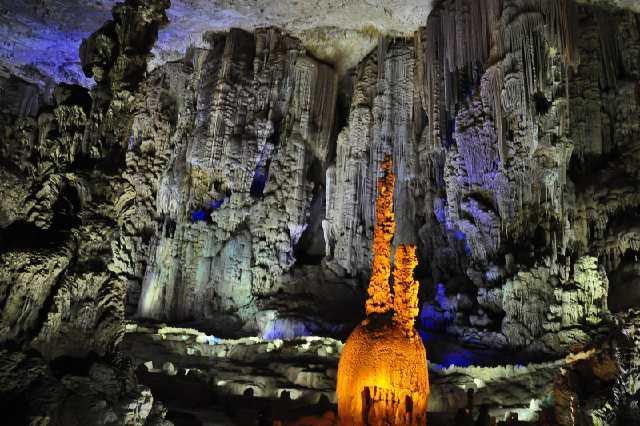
245,199
225,165
512,128
531,152
61,299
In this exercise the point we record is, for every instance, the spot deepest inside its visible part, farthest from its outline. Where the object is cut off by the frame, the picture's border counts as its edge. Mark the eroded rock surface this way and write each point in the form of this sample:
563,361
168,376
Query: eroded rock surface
61,306
305,369
224,173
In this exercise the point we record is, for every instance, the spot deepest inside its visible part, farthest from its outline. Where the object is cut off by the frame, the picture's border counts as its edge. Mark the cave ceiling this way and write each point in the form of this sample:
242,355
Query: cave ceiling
41,38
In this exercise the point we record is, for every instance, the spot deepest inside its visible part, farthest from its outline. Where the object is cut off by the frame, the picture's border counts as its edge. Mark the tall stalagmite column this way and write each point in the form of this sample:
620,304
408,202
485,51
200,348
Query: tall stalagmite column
382,374
380,300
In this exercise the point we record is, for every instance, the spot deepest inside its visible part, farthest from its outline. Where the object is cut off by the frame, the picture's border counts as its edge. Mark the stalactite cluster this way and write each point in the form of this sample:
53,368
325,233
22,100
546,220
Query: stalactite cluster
513,143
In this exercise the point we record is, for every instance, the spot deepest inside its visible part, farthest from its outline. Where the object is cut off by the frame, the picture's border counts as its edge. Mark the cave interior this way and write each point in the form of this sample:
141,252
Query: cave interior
258,212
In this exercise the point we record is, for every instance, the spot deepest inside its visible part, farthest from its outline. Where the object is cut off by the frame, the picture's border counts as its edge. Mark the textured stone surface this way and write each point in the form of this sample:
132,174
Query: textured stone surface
95,393
306,368
540,309
520,171
181,155
218,174
61,308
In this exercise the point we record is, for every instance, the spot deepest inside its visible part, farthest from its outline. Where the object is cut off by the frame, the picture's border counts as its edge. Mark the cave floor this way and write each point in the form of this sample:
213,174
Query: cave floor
203,380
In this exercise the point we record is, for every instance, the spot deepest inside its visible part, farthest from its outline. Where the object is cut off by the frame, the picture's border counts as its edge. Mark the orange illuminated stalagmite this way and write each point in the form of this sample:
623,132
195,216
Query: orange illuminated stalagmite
382,374
405,289
379,300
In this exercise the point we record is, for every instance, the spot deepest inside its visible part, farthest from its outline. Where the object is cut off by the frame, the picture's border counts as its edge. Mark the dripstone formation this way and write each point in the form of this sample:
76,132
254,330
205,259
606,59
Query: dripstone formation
382,374
233,191
228,185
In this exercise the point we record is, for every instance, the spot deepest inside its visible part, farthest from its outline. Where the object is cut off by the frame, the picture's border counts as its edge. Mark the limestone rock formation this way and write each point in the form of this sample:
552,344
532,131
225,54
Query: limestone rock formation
61,309
224,176
209,135
379,122
518,146
566,309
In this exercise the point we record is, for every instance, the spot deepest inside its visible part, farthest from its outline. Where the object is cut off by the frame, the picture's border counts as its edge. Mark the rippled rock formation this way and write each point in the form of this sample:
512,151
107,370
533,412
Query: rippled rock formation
303,372
224,172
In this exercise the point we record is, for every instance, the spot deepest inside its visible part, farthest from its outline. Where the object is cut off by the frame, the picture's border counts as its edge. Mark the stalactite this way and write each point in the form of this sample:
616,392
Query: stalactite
459,37
429,52
382,53
562,26
524,29
466,28
521,32
609,48
316,87
491,88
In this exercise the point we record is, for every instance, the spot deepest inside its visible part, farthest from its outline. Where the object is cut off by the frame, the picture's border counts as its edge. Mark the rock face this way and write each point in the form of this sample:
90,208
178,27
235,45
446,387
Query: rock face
97,393
61,309
517,150
539,310
225,177
379,123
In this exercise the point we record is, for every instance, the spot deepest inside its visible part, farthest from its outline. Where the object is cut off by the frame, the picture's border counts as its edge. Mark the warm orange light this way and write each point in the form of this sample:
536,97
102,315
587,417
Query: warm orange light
382,374
405,289
379,300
